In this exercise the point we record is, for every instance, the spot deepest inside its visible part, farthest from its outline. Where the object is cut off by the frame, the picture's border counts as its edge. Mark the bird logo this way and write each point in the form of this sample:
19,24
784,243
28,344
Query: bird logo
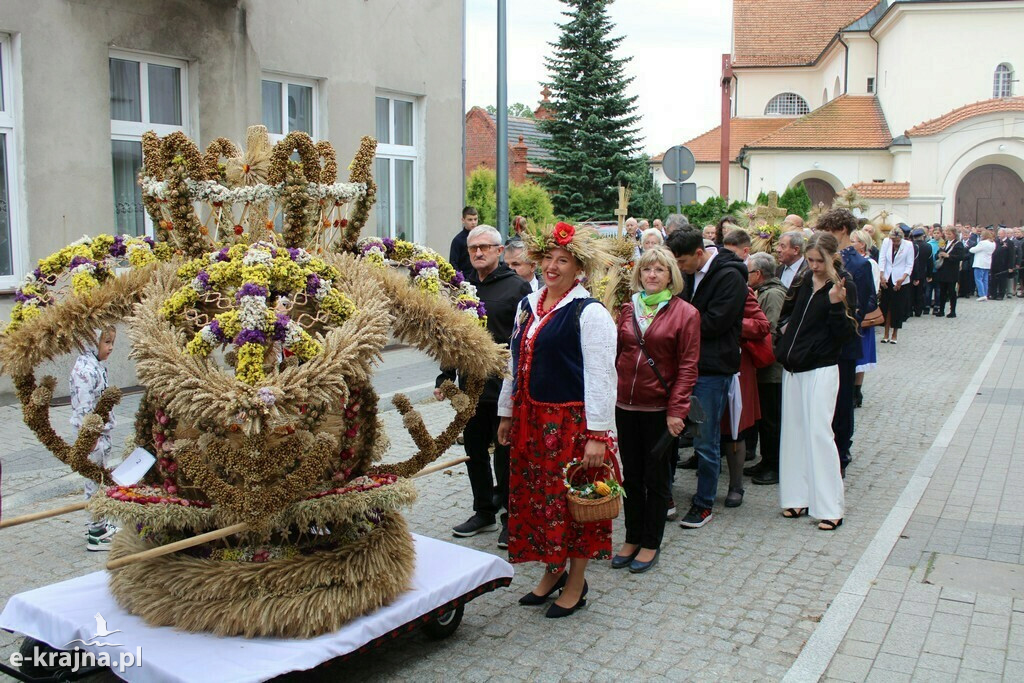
101,632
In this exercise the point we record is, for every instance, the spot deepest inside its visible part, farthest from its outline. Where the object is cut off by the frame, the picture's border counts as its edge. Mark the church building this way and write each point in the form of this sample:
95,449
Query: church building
915,103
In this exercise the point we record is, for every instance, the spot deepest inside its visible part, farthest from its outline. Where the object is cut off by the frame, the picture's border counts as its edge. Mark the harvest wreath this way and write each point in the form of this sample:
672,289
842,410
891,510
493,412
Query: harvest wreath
255,317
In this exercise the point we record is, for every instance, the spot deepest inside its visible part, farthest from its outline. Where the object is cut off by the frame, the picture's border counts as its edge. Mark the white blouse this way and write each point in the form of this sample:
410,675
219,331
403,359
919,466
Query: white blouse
598,340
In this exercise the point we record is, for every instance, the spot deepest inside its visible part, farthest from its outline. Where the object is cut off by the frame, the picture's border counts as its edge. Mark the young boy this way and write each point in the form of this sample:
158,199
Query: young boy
88,380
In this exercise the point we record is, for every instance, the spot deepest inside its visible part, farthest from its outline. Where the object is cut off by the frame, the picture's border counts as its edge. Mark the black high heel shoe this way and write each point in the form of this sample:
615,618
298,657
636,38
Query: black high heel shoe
531,598
556,611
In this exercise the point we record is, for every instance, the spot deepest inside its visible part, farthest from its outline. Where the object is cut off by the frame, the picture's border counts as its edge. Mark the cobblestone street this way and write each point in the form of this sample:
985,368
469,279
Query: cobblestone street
744,597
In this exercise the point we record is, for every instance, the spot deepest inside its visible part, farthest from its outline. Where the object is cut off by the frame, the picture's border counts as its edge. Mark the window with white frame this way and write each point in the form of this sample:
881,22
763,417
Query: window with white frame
11,235
396,165
787,104
289,104
146,93
1002,81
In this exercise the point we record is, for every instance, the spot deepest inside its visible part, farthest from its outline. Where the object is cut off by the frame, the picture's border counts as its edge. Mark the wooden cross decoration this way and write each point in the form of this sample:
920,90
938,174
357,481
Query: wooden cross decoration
772,213
623,209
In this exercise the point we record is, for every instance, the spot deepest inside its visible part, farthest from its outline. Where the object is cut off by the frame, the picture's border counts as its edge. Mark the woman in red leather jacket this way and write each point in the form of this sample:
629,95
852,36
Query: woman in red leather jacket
656,363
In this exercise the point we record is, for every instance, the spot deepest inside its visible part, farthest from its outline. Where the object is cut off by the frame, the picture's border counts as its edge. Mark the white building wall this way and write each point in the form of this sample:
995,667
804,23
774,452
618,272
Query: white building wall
756,87
861,62
778,170
936,57
707,177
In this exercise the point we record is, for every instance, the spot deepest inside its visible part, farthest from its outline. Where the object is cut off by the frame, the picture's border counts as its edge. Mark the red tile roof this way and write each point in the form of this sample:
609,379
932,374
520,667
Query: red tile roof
882,190
847,122
967,111
742,131
789,32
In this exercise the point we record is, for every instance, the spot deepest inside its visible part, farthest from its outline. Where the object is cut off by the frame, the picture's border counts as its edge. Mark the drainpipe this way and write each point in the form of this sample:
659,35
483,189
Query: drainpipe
743,157
846,65
877,70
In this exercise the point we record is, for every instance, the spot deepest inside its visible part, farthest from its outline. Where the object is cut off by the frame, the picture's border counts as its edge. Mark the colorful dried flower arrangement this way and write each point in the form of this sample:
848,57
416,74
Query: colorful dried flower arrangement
430,272
257,277
591,490
89,261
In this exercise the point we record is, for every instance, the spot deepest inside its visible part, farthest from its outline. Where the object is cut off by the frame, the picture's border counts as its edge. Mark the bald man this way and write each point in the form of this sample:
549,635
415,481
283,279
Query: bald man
792,222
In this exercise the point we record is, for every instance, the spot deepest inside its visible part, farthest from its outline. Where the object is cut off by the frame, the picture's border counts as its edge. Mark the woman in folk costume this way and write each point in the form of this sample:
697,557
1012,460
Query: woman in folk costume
558,405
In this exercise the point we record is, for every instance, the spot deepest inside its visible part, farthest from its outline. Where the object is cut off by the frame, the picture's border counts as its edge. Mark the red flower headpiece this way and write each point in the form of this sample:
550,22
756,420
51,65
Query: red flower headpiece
564,233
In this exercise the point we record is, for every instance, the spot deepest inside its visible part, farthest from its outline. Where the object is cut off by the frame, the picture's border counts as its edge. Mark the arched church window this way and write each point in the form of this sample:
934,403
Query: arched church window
1002,82
787,104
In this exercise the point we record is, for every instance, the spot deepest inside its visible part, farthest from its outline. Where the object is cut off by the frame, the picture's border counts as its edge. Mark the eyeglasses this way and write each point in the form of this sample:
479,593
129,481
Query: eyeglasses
482,247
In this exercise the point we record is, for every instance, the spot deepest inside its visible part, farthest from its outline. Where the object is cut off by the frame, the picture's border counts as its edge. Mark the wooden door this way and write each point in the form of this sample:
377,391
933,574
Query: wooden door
990,195
819,191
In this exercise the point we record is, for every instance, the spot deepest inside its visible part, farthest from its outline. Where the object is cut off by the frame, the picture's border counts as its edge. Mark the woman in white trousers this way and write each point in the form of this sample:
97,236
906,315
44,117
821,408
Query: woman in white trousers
817,322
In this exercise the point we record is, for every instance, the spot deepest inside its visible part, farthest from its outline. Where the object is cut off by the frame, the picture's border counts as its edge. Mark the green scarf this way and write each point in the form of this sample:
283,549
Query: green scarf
649,302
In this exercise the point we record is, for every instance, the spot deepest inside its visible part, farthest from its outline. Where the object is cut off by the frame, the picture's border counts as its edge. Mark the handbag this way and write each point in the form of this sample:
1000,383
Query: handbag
873,318
760,350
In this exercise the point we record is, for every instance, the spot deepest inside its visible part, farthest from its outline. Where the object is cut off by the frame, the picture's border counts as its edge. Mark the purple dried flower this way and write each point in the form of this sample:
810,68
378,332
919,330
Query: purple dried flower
149,240
79,260
389,243
217,331
281,327
459,278
250,289
420,265
38,274
312,283
480,310
365,249
204,279
222,255
250,336
293,253
118,248
20,298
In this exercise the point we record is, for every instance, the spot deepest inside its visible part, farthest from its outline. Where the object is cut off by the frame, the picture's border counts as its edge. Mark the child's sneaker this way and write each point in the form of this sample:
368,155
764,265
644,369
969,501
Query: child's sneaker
98,544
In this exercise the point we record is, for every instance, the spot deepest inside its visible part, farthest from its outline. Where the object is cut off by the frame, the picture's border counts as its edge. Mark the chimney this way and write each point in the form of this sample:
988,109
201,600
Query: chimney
517,163
542,113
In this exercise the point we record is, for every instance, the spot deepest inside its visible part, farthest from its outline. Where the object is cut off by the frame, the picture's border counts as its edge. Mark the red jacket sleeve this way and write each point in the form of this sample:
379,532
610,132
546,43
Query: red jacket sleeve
689,355
755,324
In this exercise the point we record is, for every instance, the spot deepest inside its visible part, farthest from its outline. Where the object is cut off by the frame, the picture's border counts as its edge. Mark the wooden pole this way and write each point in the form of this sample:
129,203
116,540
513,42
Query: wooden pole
183,544
217,534
23,519
440,466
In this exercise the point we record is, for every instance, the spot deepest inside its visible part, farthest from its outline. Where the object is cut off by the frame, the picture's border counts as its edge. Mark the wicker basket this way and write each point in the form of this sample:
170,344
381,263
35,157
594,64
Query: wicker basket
592,509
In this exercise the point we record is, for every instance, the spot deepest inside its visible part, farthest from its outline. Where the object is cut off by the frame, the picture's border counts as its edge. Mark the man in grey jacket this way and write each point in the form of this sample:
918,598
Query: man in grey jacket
771,294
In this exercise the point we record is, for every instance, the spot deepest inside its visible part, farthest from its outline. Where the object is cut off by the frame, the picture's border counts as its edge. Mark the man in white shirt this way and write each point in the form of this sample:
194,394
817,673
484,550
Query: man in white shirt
517,259
790,250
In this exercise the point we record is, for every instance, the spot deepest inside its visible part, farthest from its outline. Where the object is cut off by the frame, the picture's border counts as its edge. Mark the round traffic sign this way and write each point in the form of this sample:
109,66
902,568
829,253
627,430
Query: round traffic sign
678,163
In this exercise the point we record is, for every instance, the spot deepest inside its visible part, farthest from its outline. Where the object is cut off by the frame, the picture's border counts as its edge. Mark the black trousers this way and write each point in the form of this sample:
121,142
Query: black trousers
947,293
966,282
917,298
646,475
999,283
769,427
481,431
842,419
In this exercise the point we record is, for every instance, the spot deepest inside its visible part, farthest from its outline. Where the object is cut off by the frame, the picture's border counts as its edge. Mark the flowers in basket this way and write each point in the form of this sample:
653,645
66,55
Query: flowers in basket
593,501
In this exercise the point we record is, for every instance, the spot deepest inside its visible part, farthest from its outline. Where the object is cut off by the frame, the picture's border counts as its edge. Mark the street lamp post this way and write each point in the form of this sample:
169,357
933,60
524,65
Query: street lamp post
501,118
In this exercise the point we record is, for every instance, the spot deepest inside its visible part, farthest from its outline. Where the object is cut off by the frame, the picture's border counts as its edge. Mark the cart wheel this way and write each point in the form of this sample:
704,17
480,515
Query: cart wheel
444,624
50,673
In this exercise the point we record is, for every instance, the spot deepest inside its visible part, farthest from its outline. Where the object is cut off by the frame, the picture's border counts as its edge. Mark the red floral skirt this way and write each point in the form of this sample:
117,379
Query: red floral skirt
545,438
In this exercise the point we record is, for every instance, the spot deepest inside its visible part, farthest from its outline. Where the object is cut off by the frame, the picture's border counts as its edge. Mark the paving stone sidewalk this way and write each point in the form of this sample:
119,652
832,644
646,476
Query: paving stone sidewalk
736,600
949,602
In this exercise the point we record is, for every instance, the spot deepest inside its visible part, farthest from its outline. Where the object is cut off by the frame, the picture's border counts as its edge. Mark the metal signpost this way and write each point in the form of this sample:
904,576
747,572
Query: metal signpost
678,164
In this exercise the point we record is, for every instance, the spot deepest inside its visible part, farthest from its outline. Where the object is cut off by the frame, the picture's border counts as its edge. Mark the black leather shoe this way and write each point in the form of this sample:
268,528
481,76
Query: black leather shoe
951,315
556,611
751,470
531,598
734,499
765,478
637,567
688,464
620,561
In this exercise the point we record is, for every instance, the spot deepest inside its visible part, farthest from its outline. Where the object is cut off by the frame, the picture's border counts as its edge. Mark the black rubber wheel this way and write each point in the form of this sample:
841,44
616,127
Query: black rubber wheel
444,624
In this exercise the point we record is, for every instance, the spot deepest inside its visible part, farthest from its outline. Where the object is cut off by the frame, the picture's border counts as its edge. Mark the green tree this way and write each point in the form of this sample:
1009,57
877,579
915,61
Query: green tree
518,109
593,129
796,200
711,211
645,197
481,194
524,199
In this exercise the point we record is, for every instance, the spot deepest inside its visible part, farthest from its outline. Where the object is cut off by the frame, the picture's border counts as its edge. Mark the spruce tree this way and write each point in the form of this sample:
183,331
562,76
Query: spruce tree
593,128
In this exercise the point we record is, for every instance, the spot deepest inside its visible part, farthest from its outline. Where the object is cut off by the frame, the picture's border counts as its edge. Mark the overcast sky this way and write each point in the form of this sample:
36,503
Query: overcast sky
676,46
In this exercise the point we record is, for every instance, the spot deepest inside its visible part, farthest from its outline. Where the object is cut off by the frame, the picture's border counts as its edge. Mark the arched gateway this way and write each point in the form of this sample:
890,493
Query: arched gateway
990,195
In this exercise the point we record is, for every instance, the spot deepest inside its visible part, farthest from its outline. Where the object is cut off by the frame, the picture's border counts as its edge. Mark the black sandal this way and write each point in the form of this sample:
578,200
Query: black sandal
830,525
793,513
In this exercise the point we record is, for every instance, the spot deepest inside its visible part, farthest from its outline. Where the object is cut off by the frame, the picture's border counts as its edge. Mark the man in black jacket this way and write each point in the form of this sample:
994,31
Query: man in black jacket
500,290
457,254
921,275
716,285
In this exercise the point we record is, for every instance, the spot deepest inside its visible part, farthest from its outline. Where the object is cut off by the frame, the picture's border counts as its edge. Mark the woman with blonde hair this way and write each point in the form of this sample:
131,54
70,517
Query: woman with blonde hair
656,363
817,320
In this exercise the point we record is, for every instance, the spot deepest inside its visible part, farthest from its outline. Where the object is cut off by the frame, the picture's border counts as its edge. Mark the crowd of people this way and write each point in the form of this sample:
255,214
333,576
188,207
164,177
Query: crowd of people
718,348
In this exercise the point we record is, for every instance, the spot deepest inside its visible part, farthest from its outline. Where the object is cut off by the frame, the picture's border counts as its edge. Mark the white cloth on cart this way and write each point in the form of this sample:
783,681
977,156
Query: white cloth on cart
62,612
